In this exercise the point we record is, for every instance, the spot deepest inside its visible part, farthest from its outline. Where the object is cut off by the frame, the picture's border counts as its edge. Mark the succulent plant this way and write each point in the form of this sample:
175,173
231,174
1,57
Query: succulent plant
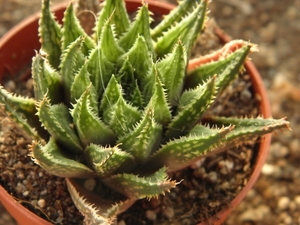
116,111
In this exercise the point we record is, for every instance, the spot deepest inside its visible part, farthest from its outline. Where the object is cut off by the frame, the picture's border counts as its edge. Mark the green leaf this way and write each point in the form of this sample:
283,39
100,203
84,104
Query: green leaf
125,75
100,69
72,60
159,101
88,125
120,121
50,34
140,27
172,69
192,105
51,159
174,16
136,97
17,103
137,187
115,110
187,30
111,95
72,30
22,111
108,43
108,160
148,83
130,85
144,138
114,11
81,83
225,63
180,153
45,80
57,121
139,58
247,129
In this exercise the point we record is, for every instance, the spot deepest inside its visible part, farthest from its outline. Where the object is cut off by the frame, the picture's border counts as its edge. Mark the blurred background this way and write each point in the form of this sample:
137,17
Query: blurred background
275,27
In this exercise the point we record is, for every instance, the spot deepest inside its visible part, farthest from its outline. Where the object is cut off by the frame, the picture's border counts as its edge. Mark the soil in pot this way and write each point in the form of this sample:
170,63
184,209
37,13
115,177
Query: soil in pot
206,188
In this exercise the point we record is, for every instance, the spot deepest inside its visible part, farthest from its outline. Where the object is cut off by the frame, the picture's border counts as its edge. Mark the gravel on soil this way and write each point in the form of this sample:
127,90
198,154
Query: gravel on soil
275,27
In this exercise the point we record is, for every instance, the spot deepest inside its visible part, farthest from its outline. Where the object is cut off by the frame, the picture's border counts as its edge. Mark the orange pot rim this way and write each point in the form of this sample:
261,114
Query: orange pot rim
24,216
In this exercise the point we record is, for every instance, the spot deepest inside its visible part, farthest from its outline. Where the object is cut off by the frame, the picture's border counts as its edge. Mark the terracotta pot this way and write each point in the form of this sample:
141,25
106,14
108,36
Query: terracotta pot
16,51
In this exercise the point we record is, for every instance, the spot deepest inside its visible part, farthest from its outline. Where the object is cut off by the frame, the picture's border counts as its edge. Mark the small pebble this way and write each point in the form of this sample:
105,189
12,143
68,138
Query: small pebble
200,172
168,212
246,167
251,194
192,193
225,185
10,86
151,215
278,150
268,169
292,206
41,203
20,174
29,84
283,203
20,141
20,188
295,146
214,204
255,214
203,195
90,184
297,200
23,152
285,218
291,13
246,95
271,170
226,166
25,193
33,175
25,182
268,32
288,220
212,176
44,192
